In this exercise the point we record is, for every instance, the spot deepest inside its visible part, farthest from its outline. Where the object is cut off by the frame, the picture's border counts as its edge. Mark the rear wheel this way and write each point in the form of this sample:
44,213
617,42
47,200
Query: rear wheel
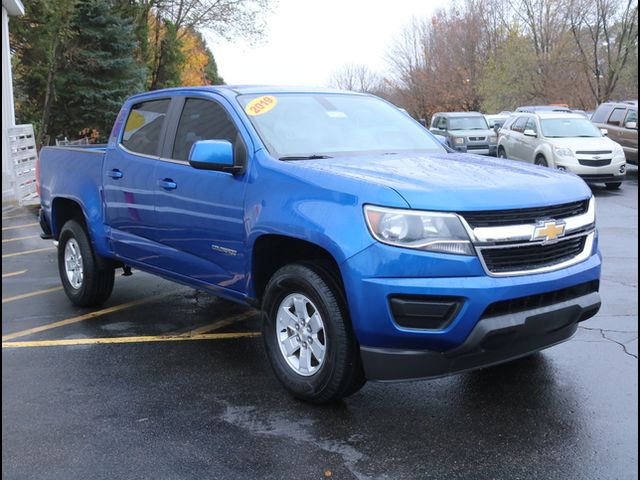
87,279
540,160
613,185
308,336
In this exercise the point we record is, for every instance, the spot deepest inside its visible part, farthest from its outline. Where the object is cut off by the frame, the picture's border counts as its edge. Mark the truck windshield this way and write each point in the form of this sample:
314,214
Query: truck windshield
297,126
569,128
468,123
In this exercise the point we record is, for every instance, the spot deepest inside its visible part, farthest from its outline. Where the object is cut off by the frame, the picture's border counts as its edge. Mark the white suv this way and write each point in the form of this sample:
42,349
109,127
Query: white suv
566,141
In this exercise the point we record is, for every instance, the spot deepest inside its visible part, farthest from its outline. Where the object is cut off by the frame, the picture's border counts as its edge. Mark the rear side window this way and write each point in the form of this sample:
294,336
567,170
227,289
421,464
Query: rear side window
600,115
202,120
519,124
144,126
617,116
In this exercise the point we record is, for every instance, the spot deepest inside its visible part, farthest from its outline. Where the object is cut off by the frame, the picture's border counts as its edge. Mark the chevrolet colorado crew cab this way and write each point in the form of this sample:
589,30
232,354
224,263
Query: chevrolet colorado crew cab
373,252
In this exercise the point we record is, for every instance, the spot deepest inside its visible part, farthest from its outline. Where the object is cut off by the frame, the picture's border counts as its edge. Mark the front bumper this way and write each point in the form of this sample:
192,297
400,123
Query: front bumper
490,149
494,340
614,172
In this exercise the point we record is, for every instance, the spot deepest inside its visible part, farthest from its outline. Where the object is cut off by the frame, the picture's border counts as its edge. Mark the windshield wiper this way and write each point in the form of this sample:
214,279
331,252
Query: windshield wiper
305,157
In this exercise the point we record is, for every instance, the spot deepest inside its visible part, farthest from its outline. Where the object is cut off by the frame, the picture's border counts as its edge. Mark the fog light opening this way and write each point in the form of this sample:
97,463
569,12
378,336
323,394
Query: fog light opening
623,168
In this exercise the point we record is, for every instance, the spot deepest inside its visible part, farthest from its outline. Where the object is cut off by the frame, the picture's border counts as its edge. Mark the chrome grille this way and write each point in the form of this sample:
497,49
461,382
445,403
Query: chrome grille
525,257
501,218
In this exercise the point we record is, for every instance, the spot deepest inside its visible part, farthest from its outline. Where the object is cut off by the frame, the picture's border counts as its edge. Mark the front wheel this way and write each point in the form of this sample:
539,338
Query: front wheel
540,160
613,185
87,279
308,336
502,153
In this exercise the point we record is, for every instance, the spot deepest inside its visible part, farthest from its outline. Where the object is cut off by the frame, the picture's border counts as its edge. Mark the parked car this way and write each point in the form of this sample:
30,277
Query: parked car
372,252
466,132
496,121
581,112
543,108
566,141
620,119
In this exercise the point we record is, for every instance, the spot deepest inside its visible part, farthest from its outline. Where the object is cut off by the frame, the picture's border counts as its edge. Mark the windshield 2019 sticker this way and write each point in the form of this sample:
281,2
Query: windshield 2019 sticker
261,105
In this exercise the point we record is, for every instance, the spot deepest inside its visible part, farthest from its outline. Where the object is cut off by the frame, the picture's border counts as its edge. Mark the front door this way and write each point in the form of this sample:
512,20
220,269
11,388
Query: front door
129,188
200,221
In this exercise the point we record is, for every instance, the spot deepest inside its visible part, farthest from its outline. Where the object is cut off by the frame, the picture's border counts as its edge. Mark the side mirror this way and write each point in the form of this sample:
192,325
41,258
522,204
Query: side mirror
442,139
530,133
631,125
604,132
214,155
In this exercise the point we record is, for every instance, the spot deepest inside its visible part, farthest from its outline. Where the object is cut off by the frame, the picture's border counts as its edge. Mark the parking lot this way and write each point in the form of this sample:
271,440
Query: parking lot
166,382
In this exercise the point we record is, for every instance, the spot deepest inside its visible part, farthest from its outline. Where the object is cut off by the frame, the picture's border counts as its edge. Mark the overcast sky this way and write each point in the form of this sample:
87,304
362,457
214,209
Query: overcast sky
308,39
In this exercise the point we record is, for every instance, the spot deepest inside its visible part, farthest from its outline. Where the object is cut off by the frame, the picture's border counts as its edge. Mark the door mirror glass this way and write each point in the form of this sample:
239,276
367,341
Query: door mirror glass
213,155
604,132
530,133
631,125
442,139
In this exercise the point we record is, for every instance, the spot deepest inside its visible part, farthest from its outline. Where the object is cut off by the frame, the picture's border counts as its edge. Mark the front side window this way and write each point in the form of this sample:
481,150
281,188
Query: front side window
531,125
569,128
632,116
295,125
201,120
616,116
144,125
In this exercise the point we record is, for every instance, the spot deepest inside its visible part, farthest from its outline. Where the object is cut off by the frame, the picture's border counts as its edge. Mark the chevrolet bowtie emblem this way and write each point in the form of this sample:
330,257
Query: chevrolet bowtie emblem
548,231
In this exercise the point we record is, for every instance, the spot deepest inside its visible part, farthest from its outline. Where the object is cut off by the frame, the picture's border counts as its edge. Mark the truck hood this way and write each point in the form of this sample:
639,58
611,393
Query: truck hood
457,182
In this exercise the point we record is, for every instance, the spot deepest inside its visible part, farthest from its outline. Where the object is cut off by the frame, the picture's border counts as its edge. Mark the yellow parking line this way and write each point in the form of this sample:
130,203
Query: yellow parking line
219,324
13,274
29,295
87,316
27,252
15,227
20,238
150,338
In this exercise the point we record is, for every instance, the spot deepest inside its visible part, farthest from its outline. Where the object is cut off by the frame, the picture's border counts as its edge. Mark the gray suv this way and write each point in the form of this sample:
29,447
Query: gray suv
620,119
466,132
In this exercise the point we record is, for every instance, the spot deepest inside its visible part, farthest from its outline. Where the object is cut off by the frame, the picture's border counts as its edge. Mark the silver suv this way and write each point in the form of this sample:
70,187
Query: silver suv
465,132
566,141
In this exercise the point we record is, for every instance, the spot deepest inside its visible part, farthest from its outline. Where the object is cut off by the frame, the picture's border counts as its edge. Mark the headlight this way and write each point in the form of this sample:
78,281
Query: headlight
431,231
493,139
618,151
458,141
564,152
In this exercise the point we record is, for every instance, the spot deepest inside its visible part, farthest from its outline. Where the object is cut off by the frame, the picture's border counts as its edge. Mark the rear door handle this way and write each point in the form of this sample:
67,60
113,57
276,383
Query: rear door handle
168,184
115,174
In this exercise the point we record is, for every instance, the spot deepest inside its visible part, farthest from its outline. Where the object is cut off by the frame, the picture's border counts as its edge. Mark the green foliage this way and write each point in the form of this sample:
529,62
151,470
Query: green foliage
508,79
101,70
169,59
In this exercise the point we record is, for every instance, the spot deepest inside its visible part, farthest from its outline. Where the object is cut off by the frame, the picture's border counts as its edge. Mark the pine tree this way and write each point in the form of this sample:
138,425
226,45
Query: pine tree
101,70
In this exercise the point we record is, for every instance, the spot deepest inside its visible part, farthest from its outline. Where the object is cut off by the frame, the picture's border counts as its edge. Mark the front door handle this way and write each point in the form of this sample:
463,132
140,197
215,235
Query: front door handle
115,174
167,184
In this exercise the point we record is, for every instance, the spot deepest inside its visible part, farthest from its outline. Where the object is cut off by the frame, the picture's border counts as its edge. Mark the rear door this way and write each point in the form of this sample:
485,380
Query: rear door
200,213
129,186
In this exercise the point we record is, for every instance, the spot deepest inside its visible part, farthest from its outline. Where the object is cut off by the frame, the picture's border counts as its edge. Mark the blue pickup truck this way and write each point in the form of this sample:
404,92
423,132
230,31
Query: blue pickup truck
373,252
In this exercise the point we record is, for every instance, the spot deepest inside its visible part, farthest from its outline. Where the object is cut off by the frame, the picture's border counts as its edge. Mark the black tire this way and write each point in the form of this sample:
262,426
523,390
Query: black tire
613,185
540,160
98,276
502,153
340,373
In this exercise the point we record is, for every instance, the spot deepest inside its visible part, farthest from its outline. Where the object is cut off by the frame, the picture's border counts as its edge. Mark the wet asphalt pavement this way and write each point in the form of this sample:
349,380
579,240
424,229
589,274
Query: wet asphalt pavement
195,398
